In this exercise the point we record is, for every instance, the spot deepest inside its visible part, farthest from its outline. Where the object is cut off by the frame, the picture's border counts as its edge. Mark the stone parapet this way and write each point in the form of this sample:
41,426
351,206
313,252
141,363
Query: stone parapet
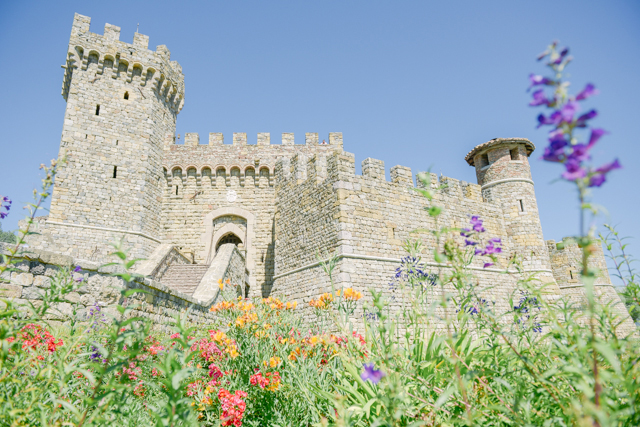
36,269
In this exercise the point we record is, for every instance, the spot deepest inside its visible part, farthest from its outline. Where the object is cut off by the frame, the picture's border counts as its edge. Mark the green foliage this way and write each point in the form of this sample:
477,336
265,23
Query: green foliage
7,236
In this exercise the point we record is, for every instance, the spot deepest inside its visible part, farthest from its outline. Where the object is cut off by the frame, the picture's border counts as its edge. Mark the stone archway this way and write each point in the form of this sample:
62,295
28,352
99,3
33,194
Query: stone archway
227,229
209,240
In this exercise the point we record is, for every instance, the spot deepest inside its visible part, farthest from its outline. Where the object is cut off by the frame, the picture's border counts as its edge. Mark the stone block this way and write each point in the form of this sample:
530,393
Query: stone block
23,279
32,293
42,281
10,291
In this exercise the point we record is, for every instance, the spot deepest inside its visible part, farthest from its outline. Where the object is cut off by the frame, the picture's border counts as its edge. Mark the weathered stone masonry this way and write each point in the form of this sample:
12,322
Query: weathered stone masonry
261,213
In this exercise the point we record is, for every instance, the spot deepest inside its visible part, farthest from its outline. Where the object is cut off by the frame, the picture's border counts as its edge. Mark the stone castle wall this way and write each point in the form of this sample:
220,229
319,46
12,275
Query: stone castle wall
37,269
217,188
566,260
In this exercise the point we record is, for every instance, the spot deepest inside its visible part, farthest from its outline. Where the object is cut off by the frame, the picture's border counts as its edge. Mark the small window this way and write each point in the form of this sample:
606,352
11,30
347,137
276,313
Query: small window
126,95
514,153
484,160
98,110
521,202
116,142
176,190
115,171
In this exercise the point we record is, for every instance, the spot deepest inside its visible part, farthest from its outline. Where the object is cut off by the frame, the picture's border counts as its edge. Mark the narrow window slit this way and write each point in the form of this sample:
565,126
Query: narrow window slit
115,171
126,95
176,190
98,110
521,205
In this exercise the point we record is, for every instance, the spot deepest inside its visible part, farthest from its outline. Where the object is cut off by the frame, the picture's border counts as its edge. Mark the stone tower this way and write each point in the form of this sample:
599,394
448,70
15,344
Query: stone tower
504,176
122,104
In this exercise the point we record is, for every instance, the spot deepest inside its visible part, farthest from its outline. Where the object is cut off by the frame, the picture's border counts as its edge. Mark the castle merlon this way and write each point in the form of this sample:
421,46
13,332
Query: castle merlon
133,62
263,139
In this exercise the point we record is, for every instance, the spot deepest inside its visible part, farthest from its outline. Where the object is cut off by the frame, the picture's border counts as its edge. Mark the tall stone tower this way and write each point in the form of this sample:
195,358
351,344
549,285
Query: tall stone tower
122,104
504,174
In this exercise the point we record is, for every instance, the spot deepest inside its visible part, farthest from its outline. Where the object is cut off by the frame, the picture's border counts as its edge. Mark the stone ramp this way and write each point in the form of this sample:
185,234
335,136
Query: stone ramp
184,278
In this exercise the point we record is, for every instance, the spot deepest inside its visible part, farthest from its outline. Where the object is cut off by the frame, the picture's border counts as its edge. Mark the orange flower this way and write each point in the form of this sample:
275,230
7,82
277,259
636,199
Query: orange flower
350,294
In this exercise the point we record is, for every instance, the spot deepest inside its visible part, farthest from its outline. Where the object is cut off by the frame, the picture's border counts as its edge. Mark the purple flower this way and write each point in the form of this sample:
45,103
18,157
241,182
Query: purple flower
555,151
569,110
582,120
580,152
596,134
77,269
554,119
468,242
476,222
5,203
539,80
371,373
574,170
589,90
487,264
560,58
539,99
492,249
600,175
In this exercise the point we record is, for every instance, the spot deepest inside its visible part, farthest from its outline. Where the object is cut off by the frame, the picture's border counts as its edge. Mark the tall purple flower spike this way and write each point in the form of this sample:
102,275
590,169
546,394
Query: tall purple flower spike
371,373
563,143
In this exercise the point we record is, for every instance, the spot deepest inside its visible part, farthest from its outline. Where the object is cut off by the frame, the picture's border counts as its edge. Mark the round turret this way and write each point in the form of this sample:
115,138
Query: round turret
501,159
503,172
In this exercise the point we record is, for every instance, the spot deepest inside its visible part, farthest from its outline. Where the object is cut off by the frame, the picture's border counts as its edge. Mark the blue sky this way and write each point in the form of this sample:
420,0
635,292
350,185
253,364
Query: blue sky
412,83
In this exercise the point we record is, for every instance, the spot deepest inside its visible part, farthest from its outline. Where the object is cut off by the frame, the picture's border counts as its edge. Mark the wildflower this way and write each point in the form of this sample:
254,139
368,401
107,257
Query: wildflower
233,407
222,306
539,80
540,99
588,91
563,144
5,203
372,374
350,294
221,284
599,176
275,361
291,305
214,372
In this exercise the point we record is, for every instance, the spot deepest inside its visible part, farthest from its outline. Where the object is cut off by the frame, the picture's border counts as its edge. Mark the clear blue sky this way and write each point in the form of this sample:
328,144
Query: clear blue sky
412,83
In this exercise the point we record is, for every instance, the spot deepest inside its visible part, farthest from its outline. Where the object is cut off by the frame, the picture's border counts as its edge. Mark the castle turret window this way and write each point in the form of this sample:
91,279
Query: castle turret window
98,110
514,153
126,95
115,171
484,160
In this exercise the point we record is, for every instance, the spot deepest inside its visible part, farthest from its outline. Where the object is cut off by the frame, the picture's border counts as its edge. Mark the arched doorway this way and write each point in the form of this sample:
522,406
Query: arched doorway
228,238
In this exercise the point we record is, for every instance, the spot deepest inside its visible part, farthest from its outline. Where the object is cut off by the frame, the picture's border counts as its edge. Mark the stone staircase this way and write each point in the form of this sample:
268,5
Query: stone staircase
184,278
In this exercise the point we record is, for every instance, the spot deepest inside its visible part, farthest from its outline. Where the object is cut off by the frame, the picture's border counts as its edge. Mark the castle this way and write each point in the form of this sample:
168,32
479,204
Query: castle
206,210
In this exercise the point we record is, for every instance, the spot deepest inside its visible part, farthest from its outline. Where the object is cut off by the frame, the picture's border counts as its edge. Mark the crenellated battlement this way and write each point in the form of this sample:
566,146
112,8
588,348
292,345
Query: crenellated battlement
252,164
107,57
311,139
340,166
